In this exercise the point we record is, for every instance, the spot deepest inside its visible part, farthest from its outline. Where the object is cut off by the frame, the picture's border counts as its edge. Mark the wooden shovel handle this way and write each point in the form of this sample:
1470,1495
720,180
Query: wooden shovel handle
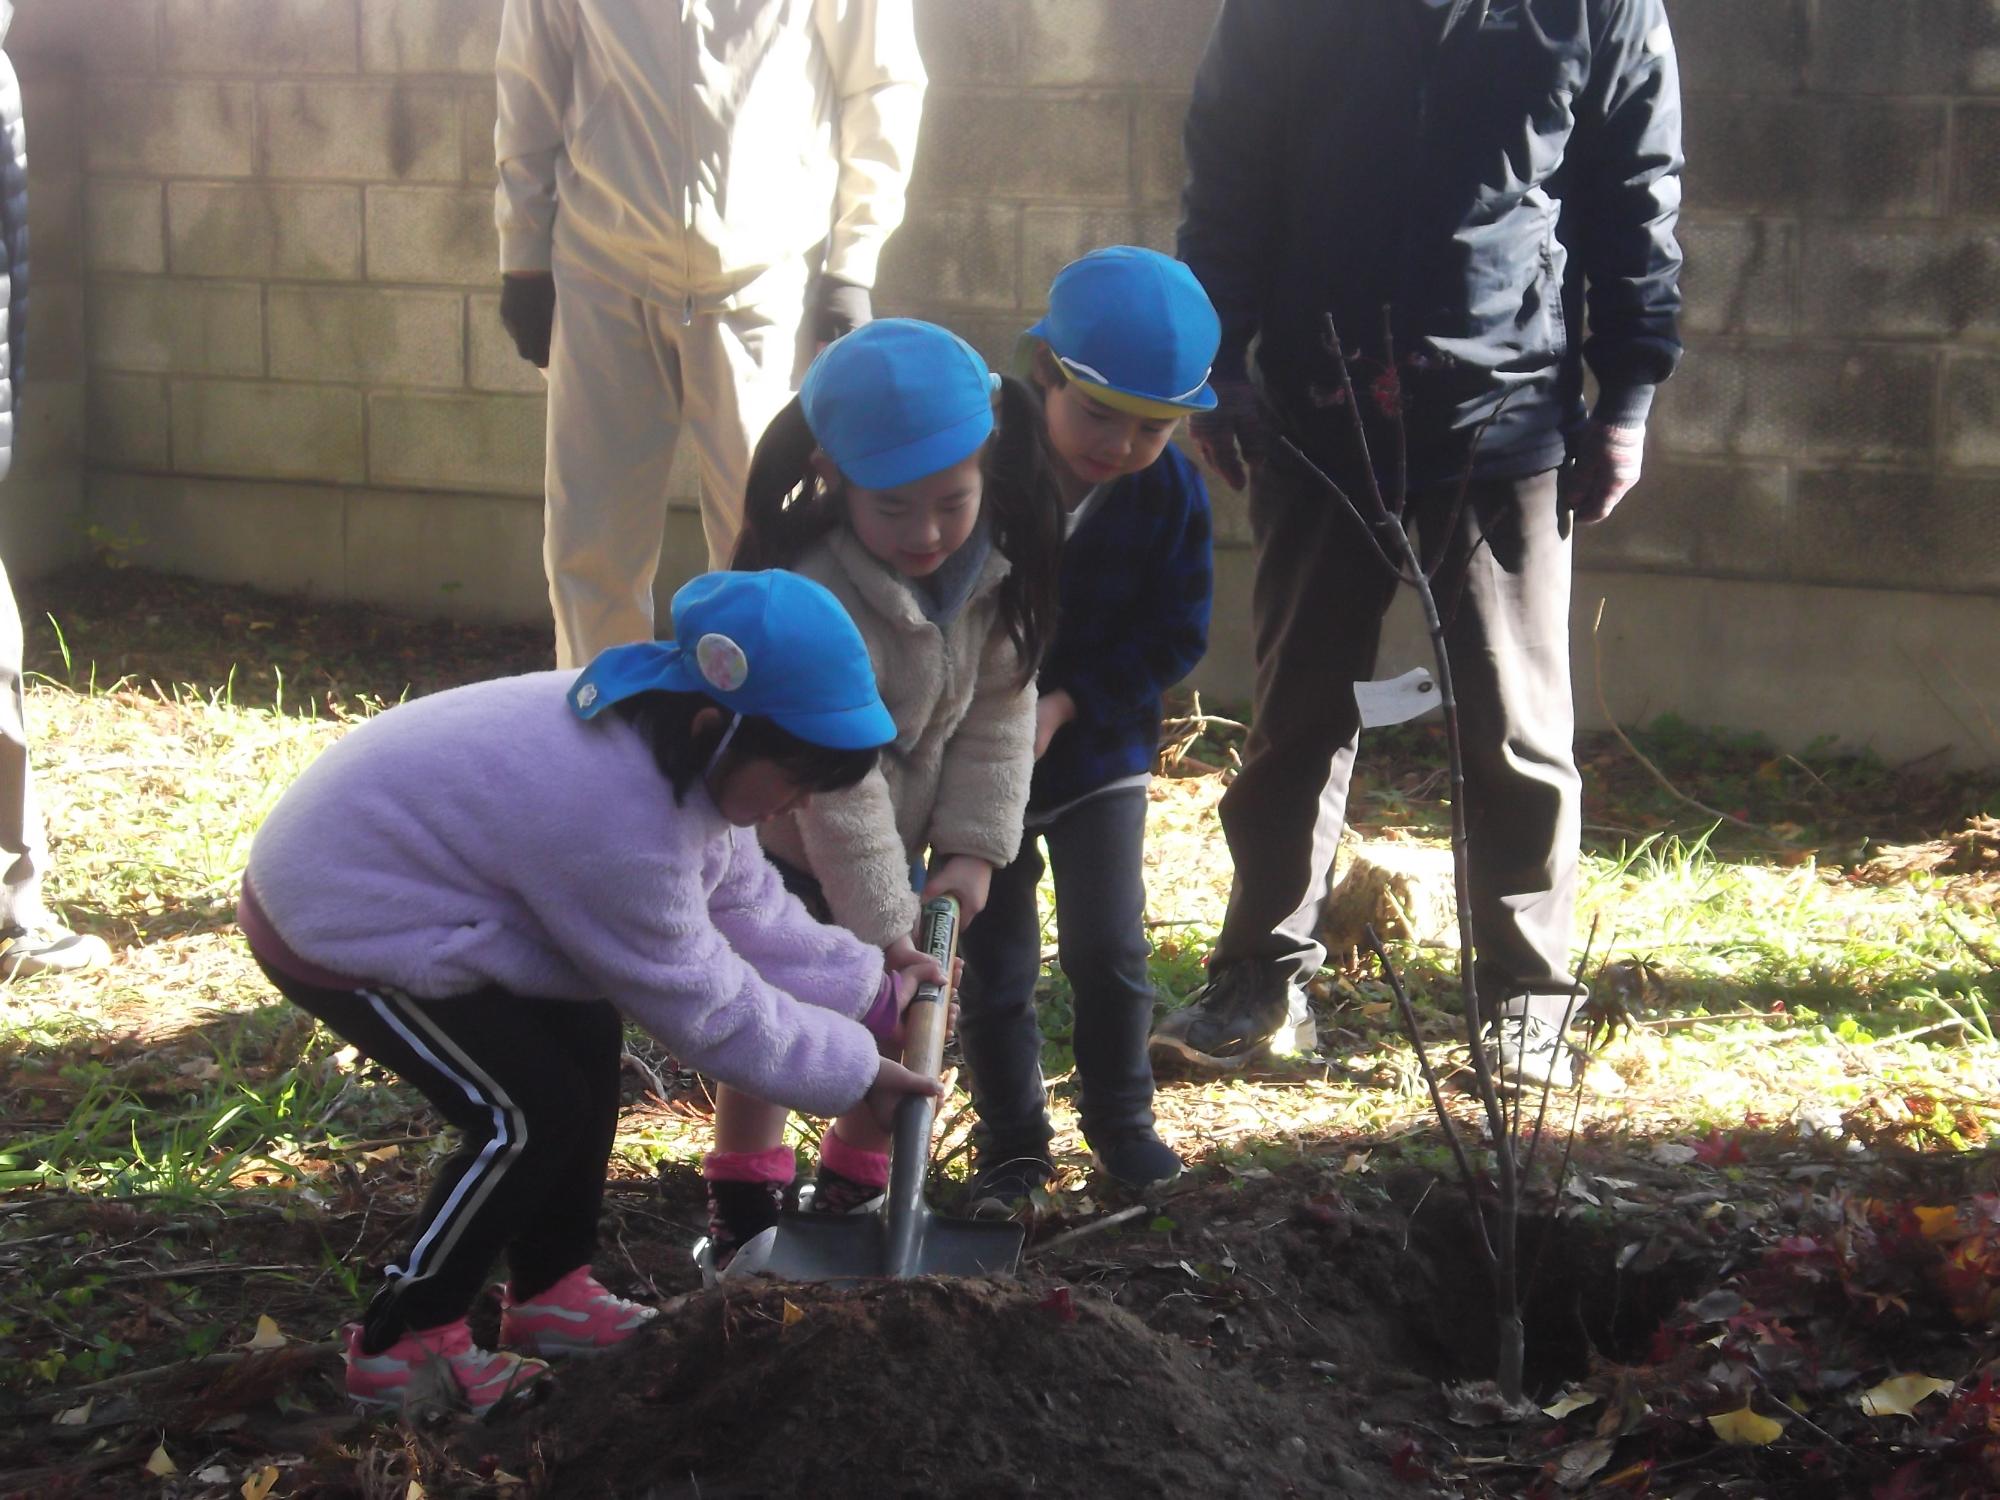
929,1013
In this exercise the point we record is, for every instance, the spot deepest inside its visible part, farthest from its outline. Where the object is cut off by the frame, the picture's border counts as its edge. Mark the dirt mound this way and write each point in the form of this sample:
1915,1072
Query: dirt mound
919,1388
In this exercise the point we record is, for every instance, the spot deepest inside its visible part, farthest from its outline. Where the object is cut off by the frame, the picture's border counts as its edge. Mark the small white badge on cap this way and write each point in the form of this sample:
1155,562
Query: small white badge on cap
722,662
586,695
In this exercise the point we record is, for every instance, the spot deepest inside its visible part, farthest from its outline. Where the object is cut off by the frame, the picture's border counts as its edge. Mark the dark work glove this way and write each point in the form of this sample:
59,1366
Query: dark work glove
1235,437
838,307
528,313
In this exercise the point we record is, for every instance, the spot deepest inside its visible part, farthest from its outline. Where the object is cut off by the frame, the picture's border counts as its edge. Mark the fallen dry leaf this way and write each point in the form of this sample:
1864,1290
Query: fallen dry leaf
793,1313
75,1416
1899,1395
161,1464
1937,1223
256,1486
1746,1428
267,1335
1564,1405
1581,1463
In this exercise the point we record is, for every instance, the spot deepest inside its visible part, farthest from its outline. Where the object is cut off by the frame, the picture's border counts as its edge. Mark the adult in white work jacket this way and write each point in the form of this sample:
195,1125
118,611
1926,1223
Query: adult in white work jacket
682,184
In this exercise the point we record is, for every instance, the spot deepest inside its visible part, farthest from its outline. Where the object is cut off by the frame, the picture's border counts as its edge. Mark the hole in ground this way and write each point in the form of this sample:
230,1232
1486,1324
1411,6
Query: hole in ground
1580,1300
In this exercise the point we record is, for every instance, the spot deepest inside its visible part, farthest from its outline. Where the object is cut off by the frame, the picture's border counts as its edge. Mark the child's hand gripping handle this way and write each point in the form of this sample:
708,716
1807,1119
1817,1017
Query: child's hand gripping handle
928,1017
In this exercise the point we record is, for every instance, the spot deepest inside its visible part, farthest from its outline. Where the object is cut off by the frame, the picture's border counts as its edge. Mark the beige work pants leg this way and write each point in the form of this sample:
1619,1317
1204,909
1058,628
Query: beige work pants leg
626,378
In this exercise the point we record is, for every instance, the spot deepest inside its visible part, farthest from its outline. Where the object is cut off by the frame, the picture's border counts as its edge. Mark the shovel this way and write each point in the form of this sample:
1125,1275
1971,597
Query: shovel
903,1237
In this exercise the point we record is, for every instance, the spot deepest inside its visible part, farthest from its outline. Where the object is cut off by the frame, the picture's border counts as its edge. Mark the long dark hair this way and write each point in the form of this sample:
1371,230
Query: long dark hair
665,721
786,509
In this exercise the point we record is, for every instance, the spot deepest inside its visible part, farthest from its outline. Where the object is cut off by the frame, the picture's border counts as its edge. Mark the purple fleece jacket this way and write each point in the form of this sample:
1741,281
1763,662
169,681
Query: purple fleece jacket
487,836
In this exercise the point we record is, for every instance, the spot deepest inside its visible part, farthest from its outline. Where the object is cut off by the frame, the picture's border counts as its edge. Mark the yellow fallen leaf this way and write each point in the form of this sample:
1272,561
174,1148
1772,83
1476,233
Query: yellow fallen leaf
161,1464
414,1492
1898,1396
76,1416
1743,1426
257,1486
382,1153
267,1335
509,1486
1357,1161
1574,1401
1937,1223
793,1313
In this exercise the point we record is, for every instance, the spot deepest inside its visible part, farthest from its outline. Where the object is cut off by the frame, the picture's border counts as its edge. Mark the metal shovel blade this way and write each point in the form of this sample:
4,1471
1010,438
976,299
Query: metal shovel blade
845,1248
903,1237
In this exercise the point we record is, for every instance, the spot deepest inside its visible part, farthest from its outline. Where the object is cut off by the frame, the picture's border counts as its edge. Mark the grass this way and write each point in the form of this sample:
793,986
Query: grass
1775,993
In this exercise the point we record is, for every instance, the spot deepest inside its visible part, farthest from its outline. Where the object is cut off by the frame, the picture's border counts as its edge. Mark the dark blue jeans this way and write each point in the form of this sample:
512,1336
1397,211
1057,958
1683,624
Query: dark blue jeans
1095,849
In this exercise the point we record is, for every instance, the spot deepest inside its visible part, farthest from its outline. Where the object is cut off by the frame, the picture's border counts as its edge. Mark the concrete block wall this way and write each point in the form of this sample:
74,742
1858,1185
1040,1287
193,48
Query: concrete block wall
287,255
280,240
1835,421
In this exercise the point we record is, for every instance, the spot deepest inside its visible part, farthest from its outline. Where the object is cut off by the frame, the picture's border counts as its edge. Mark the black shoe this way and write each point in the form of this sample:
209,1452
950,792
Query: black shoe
1004,1187
741,1217
832,1192
1136,1161
1247,1013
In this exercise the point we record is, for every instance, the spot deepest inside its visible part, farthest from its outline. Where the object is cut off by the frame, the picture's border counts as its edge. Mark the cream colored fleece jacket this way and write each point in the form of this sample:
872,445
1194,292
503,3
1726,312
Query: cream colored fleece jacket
956,779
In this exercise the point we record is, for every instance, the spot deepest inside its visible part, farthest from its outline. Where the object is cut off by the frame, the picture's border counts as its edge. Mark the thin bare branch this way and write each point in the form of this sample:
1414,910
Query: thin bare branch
1468,1177
1368,528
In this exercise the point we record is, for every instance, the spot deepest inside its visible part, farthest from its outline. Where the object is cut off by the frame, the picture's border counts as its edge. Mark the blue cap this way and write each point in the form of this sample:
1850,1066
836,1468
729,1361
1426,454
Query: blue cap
774,644
1134,323
898,399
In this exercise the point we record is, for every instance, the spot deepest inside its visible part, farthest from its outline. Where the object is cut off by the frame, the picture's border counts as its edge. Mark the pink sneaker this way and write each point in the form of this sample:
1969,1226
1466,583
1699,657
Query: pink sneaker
438,1369
575,1316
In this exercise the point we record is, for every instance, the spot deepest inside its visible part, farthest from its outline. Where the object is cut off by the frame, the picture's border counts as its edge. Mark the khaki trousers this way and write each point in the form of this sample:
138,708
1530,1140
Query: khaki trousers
627,377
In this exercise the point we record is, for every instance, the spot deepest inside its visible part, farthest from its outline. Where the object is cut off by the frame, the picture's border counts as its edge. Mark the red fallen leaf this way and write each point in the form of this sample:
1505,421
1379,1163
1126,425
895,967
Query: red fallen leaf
1061,1304
1976,1408
1408,1465
1719,1150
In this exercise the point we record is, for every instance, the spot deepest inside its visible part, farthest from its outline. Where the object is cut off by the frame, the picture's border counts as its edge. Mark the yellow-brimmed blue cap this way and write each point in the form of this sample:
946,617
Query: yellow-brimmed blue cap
1135,328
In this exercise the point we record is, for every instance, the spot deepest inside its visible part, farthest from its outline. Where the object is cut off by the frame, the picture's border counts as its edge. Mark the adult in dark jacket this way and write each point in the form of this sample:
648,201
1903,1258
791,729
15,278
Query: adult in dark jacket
30,939
1499,175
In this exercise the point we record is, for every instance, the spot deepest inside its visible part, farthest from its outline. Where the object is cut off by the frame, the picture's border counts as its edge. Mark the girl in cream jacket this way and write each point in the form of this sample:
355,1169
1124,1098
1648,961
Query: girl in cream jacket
890,482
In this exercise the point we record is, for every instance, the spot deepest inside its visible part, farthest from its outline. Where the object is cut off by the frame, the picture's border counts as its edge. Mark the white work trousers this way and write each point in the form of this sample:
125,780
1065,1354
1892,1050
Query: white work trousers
626,378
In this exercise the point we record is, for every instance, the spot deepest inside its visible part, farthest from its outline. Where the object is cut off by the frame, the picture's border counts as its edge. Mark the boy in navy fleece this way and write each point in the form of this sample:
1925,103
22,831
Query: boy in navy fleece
1121,357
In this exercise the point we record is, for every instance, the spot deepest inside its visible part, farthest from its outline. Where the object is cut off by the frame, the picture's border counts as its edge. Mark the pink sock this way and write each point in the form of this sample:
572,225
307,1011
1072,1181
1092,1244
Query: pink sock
778,1165
869,1168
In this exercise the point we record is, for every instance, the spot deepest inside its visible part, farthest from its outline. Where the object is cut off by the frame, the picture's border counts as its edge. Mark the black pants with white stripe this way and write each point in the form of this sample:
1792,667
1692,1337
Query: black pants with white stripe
532,1085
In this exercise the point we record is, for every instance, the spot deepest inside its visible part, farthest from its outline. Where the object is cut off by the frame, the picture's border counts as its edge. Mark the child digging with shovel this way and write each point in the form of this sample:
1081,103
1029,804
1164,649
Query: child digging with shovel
890,481
477,888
